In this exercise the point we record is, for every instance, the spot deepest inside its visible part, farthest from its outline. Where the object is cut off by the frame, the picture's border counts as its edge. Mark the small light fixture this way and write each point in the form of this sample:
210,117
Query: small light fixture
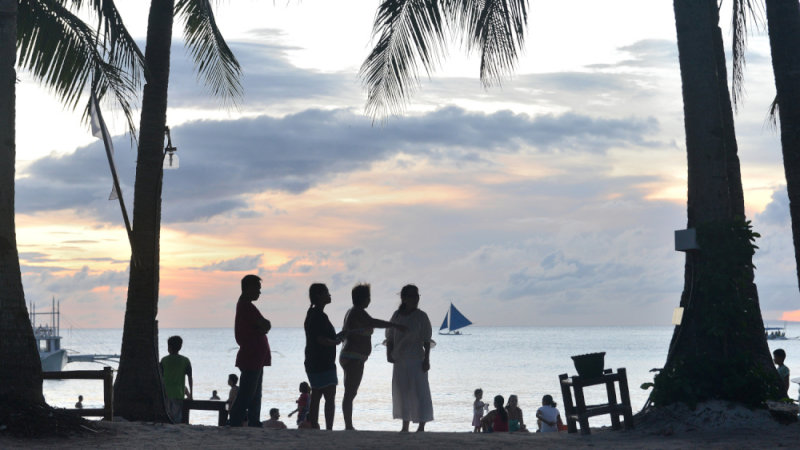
171,160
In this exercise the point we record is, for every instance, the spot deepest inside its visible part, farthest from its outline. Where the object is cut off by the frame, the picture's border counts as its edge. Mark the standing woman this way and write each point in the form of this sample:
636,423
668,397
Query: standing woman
410,351
321,342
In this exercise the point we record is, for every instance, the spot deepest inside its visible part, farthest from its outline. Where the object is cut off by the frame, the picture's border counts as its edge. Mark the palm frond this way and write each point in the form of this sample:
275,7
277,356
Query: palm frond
407,32
213,59
123,51
745,13
62,52
773,114
496,28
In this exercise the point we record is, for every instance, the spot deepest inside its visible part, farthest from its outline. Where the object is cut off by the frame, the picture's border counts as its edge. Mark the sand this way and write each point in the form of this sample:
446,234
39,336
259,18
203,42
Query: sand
713,425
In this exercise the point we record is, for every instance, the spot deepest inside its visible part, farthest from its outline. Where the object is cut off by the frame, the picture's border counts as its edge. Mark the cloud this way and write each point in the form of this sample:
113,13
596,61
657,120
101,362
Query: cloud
240,264
222,162
777,210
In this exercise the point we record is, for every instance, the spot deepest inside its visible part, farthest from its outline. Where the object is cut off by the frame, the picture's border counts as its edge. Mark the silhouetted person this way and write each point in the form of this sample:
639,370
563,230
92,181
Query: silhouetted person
320,363
251,330
79,404
779,357
358,325
303,403
273,422
175,368
410,351
497,419
232,380
214,395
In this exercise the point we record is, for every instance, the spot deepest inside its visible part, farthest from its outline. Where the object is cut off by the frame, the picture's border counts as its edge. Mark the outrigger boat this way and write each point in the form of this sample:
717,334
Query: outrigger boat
48,341
453,321
775,333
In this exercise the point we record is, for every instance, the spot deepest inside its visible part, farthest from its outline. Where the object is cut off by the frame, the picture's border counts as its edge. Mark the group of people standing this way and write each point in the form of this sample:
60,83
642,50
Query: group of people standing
408,344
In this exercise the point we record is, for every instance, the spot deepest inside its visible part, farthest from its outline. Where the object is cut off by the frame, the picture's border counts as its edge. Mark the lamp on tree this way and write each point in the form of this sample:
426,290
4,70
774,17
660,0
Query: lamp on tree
170,155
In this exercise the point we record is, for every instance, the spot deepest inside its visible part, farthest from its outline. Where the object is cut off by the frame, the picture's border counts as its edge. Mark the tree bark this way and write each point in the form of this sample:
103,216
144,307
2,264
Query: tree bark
20,368
783,21
725,335
139,390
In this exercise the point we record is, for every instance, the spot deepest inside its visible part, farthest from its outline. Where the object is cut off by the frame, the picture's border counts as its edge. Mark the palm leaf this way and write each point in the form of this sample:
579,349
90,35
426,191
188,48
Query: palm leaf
62,52
407,32
744,13
212,57
496,28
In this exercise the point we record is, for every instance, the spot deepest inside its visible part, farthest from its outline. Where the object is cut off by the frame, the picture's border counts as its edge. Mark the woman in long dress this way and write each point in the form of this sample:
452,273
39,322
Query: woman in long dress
410,351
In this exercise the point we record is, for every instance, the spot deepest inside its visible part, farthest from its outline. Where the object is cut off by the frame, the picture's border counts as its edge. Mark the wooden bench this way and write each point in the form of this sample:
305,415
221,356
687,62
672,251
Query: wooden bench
107,375
579,412
206,405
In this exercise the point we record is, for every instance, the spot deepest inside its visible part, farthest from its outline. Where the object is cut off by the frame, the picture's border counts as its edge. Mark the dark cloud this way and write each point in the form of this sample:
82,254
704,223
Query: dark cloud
224,161
240,264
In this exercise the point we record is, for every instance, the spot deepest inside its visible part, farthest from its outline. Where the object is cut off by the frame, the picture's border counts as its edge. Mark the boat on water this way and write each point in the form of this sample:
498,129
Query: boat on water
453,321
775,333
48,341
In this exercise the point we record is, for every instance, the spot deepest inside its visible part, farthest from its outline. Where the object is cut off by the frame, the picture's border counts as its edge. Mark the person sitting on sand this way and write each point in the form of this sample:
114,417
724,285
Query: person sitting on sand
357,347
779,357
303,403
497,419
549,419
175,368
273,422
214,395
515,421
79,404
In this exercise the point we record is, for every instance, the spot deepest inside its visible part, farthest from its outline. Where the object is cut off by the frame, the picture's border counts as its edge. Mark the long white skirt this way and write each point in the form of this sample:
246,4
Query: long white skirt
411,394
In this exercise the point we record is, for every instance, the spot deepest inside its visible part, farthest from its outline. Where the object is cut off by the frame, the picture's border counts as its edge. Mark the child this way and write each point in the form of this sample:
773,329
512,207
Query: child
548,416
273,422
515,422
302,403
497,419
214,395
79,404
779,357
477,410
174,369
232,380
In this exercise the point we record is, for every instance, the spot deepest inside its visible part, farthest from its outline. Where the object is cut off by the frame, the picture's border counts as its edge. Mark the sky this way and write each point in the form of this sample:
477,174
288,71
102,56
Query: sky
550,200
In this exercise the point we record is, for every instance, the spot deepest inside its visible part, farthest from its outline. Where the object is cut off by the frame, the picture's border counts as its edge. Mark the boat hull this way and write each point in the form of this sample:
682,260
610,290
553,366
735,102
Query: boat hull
53,361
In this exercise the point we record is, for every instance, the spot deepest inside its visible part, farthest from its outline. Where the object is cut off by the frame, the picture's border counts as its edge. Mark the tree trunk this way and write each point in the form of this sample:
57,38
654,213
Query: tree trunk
20,368
783,21
139,390
719,350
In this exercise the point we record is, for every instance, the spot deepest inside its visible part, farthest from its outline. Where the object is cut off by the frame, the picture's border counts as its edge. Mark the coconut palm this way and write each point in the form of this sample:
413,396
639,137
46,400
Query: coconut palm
65,54
138,390
719,350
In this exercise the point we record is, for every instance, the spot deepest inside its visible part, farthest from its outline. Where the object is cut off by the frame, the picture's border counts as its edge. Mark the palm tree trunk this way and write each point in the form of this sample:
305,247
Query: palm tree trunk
20,368
719,336
139,391
783,21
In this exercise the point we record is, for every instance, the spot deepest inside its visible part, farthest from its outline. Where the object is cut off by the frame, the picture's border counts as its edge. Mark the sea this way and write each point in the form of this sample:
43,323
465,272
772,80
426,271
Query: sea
525,361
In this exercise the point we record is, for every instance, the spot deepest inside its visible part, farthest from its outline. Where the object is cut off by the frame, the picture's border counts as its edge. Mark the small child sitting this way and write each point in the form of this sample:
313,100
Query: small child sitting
549,419
302,403
515,422
273,422
497,419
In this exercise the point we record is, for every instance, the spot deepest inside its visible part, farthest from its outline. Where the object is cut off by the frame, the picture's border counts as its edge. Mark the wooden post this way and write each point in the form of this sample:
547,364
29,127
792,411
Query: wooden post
580,405
108,393
626,398
612,402
569,409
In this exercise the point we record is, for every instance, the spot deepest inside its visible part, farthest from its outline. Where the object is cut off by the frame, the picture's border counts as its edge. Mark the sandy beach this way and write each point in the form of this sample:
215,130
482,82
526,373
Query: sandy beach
703,430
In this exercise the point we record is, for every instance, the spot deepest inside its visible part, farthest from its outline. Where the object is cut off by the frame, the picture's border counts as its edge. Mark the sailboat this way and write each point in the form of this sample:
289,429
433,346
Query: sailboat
453,321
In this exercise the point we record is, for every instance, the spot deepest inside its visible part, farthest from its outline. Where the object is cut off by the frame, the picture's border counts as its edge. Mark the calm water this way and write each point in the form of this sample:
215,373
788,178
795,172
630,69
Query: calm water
522,361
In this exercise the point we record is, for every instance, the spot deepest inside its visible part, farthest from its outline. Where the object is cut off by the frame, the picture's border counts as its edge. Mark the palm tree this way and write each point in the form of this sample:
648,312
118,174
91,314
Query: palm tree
722,335
719,350
783,22
138,390
63,53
